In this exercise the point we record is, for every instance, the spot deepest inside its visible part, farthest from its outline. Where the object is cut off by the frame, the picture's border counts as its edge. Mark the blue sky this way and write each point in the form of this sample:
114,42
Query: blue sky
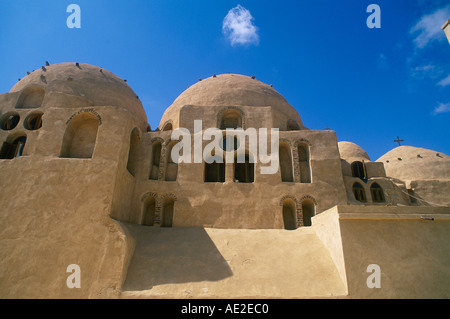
368,85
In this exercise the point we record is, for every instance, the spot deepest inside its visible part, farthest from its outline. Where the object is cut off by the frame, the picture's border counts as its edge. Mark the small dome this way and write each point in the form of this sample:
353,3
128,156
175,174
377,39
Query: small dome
414,163
351,152
232,90
94,84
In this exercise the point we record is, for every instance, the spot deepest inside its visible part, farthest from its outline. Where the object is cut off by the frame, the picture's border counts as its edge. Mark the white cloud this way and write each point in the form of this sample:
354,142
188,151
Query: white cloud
429,27
445,81
238,27
442,108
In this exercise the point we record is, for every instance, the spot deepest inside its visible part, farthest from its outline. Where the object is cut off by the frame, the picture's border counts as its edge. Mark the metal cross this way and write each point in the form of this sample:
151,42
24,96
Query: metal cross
398,140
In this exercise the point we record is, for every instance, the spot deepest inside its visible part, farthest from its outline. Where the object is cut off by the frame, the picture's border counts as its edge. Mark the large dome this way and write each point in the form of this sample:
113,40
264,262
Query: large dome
414,163
96,86
232,90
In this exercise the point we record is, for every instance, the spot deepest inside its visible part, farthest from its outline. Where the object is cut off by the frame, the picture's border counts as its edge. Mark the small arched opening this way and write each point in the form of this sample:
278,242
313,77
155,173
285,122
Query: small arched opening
231,118
308,210
289,214
358,170
304,163
377,193
80,136
359,193
14,149
285,162
244,171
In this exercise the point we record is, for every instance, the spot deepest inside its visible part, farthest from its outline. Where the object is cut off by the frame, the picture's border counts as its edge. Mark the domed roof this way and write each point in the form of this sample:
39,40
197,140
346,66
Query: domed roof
414,163
351,152
233,90
98,86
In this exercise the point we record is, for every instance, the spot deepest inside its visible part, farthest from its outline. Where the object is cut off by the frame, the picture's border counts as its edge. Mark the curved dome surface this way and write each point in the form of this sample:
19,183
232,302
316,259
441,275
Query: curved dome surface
99,86
232,90
414,163
352,152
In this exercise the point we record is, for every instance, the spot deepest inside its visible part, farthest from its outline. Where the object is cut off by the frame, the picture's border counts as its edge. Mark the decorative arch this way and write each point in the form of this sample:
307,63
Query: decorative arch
168,126
80,136
231,117
31,97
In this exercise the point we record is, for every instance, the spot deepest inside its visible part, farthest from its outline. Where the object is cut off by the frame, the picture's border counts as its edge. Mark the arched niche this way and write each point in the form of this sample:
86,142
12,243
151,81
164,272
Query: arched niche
285,158
31,98
289,214
80,136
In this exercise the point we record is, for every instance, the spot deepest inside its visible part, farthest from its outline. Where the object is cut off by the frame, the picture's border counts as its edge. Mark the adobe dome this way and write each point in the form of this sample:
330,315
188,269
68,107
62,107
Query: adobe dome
351,152
98,86
232,90
415,163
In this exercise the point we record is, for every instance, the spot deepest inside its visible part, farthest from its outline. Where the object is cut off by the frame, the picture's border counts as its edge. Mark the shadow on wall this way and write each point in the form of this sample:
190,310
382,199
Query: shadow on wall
173,255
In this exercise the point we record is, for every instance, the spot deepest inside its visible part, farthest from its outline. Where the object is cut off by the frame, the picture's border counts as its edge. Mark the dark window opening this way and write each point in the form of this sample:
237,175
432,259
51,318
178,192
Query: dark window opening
359,170
359,193
244,172
14,149
377,193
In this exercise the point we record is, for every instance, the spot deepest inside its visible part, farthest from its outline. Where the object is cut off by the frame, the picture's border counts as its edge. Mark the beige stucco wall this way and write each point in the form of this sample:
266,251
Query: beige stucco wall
413,253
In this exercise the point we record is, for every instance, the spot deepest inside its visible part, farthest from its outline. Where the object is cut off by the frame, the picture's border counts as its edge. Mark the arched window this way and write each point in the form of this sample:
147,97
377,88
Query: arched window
156,160
14,149
244,172
289,214
285,163
359,193
377,193
358,170
215,172
231,118
148,211
304,164
171,166
309,210
33,121
133,152
31,98
80,136
9,121
167,212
